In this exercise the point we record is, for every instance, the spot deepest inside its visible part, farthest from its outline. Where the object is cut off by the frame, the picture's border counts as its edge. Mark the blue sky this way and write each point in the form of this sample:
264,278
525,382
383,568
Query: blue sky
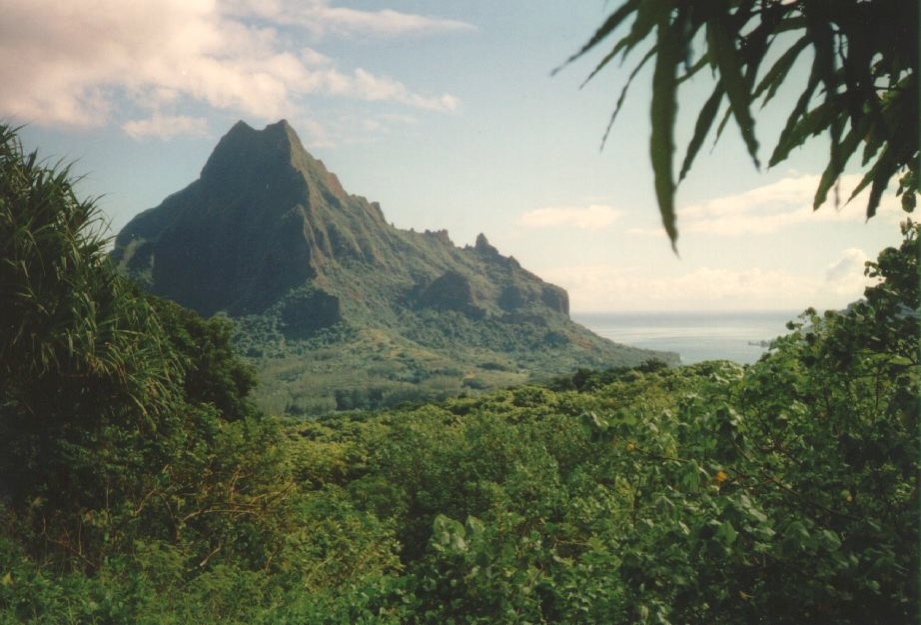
447,114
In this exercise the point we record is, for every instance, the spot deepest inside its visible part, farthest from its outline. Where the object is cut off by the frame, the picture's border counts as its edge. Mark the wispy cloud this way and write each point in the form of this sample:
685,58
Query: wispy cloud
367,86
605,287
592,217
350,128
846,275
148,62
774,207
321,19
166,126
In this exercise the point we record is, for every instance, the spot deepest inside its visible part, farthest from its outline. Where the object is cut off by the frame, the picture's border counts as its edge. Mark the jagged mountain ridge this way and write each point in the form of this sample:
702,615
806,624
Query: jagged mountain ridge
269,236
265,217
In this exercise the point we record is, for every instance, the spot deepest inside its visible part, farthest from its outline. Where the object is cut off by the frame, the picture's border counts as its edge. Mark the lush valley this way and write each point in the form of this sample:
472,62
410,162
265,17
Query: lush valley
139,484
422,356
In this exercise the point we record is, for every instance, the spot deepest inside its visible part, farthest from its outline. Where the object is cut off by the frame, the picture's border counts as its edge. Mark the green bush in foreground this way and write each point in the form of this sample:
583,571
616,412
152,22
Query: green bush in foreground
139,485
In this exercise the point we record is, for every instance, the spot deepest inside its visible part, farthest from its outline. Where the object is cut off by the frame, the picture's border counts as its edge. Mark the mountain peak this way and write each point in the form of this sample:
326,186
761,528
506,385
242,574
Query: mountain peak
281,128
483,246
283,133
245,149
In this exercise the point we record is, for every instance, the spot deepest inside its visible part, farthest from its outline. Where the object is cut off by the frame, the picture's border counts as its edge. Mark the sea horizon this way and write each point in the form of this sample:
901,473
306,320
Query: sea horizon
696,336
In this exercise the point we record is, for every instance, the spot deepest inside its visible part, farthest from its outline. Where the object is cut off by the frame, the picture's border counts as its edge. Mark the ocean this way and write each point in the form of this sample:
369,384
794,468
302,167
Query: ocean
696,336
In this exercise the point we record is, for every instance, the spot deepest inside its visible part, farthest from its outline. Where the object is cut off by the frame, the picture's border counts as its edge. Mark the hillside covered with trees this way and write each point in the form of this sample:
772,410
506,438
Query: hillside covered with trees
139,485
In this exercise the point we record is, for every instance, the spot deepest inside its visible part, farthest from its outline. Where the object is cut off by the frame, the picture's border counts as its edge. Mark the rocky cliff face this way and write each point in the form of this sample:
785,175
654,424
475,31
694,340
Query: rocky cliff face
266,217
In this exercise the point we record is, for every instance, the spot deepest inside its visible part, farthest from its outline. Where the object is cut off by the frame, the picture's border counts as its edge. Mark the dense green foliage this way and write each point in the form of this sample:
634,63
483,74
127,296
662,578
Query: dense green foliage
139,485
123,419
372,363
861,88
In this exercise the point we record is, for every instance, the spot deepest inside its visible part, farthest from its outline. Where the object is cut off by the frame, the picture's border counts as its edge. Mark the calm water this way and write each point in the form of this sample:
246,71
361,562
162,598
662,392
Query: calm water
695,336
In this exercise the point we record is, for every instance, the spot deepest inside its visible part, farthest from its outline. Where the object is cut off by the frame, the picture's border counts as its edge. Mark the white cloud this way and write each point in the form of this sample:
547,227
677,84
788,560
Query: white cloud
321,19
851,262
313,58
777,206
370,87
79,65
846,275
164,127
593,217
605,287
348,128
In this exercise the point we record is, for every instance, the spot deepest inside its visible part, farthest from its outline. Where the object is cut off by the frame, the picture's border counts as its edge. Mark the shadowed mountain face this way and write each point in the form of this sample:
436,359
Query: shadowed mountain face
266,217
263,217
268,236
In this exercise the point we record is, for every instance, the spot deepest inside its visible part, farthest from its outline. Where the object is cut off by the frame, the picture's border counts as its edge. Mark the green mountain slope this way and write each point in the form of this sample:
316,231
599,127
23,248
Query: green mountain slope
138,484
338,308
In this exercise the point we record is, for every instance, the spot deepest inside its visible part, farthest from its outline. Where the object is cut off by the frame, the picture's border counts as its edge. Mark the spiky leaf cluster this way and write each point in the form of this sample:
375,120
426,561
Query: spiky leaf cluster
860,89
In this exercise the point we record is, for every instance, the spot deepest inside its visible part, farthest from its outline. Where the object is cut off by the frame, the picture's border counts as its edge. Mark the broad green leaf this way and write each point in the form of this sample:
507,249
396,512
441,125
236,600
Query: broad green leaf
829,540
727,533
776,76
835,166
647,12
650,15
691,71
702,128
810,124
868,178
664,109
786,135
886,168
727,59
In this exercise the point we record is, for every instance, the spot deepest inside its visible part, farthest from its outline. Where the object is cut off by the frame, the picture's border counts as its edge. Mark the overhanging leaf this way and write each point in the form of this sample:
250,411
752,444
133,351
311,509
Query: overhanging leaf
786,135
775,76
728,61
886,168
664,110
609,26
811,124
702,128
835,166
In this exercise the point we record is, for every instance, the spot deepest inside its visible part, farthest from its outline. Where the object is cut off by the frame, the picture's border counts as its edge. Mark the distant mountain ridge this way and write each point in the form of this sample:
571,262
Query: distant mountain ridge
268,236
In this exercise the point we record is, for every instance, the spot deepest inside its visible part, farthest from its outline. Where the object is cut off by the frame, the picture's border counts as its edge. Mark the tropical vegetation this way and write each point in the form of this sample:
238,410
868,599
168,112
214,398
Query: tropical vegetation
860,88
138,484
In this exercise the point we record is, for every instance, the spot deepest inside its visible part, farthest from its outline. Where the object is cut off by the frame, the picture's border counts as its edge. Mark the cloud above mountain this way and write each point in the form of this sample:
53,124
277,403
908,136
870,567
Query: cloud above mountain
610,287
157,67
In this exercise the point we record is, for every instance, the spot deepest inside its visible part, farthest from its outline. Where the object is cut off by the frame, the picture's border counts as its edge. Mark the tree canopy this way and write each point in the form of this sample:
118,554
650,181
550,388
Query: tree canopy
139,485
861,88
